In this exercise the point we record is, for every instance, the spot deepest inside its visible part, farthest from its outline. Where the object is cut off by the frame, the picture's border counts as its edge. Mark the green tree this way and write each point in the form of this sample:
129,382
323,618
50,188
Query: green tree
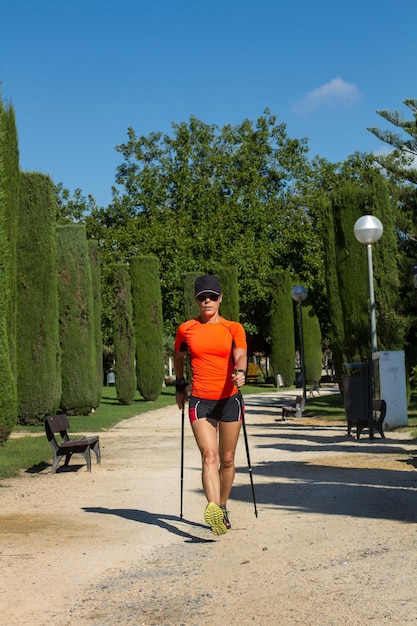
190,308
348,204
282,326
401,163
228,277
147,320
206,196
190,311
38,353
94,255
346,269
9,174
72,208
313,350
76,316
335,328
391,319
9,189
124,336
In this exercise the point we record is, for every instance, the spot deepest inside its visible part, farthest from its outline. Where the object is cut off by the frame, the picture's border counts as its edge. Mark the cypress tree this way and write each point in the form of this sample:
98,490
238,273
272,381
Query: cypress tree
94,254
334,304
347,272
346,277
10,185
76,315
390,323
313,354
8,394
228,277
8,399
191,309
148,323
38,354
282,327
349,203
124,336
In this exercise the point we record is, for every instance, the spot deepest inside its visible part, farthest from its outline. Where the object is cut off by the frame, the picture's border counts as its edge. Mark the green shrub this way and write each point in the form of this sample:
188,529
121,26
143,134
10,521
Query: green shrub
124,336
228,277
148,323
76,314
38,353
282,327
9,175
94,255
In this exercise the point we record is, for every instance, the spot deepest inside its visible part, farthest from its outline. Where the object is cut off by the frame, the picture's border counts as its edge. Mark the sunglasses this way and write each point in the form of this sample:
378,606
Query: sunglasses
207,294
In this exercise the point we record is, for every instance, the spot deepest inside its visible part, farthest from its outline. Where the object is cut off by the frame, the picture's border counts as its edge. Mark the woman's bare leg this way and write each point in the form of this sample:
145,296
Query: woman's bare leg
205,433
228,438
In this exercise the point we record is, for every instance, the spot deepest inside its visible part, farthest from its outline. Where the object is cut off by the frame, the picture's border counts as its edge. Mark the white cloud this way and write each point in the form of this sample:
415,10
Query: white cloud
337,91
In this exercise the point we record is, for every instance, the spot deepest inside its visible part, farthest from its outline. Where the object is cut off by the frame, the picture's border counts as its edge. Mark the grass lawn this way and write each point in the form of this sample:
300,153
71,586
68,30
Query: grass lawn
30,452
27,451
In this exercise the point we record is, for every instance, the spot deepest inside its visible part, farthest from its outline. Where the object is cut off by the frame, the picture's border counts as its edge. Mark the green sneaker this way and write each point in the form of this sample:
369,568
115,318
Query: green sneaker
214,517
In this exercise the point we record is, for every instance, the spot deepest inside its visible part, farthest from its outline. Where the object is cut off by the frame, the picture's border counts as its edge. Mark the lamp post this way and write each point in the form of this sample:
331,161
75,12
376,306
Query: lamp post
299,294
368,230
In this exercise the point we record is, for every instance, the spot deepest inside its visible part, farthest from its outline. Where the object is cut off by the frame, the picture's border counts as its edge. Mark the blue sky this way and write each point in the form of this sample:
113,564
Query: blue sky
80,73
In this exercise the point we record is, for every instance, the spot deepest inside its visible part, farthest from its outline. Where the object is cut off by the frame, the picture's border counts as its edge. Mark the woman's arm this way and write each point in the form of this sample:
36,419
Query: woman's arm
240,358
181,395
179,358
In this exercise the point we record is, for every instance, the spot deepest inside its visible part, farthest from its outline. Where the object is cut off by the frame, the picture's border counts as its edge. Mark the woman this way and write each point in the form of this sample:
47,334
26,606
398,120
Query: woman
218,354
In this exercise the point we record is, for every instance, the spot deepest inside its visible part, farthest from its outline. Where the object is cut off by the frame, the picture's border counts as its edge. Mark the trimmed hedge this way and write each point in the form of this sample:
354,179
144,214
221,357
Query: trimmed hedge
124,336
148,323
282,327
313,351
38,353
228,277
9,177
191,309
76,316
94,255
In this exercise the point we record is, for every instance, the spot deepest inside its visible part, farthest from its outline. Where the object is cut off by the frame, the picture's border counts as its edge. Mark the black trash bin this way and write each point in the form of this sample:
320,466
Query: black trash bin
357,393
298,378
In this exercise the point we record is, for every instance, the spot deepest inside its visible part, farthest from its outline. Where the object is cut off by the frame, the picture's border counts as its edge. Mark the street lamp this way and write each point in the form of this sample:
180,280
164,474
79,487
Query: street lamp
368,230
299,294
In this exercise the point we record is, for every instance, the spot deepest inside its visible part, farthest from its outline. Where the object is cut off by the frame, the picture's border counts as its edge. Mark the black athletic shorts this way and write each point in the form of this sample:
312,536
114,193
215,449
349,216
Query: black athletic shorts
226,410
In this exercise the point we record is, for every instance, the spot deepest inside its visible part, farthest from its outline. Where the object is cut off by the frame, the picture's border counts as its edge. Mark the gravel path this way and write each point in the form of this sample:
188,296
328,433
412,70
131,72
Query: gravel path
334,541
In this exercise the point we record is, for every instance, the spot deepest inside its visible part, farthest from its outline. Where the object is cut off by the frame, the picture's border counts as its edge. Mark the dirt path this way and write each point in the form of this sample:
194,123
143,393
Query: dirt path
334,542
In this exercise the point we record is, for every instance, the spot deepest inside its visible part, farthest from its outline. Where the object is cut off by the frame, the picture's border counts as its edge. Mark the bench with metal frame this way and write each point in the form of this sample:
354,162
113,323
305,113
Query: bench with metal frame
67,447
379,411
293,410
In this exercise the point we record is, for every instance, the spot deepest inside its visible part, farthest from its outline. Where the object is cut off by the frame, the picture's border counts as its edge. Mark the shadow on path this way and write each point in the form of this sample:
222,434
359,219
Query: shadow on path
375,493
144,517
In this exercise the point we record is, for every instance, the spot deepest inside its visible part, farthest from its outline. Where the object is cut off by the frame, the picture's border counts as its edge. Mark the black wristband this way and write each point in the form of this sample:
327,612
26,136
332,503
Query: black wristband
243,372
180,385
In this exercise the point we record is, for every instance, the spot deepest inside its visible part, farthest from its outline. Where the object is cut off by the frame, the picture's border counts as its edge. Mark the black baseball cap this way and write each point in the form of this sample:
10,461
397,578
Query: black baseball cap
207,283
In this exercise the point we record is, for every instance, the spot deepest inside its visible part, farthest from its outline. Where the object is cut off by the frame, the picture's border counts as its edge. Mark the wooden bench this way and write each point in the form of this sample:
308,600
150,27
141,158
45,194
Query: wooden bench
293,410
67,447
379,411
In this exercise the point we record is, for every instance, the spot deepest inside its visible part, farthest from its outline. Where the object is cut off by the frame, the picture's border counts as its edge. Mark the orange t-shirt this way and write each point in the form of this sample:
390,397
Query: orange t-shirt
211,352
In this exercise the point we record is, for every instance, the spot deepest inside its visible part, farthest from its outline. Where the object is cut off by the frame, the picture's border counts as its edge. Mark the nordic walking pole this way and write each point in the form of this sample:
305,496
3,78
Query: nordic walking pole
245,435
182,459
